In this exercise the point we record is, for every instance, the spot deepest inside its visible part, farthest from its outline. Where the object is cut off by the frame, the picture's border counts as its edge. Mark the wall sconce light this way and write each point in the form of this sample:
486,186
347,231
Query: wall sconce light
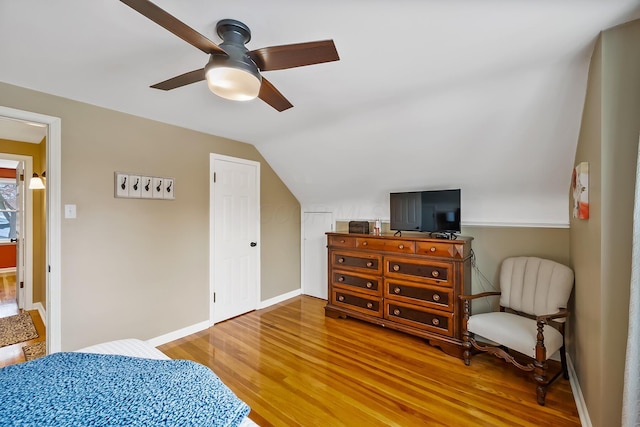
37,182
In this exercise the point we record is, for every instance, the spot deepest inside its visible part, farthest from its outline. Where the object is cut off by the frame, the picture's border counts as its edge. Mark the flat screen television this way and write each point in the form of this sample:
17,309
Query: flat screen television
435,211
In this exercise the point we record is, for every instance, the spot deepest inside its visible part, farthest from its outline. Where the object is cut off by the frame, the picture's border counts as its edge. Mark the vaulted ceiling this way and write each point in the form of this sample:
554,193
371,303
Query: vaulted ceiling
482,95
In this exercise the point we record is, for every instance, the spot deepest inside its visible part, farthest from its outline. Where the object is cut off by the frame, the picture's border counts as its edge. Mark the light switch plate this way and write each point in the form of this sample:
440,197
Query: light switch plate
121,184
70,211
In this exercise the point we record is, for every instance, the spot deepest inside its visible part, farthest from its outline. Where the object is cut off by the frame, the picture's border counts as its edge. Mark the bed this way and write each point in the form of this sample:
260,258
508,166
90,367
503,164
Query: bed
124,382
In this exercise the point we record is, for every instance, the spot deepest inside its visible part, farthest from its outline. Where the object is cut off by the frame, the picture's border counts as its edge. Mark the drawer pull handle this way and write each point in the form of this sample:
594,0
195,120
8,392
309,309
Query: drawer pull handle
435,321
396,290
369,305
396,312
436,297
396,267
364,243
369,264
342,241
341,279
369,285
341,298
435,273
400,246
432,249
340,260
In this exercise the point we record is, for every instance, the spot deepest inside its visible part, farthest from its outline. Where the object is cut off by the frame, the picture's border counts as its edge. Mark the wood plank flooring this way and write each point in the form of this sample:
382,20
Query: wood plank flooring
295,367
12,354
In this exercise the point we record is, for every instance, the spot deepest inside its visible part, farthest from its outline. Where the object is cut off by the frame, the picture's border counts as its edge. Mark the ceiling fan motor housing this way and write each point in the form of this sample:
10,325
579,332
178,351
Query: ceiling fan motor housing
234,75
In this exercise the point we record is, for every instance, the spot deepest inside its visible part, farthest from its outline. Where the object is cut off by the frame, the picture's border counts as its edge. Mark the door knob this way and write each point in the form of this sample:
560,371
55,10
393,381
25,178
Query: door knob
253,244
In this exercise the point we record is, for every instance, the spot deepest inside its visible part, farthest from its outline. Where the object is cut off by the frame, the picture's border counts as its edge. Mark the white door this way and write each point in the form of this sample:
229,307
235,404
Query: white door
314,264
20,234
235,225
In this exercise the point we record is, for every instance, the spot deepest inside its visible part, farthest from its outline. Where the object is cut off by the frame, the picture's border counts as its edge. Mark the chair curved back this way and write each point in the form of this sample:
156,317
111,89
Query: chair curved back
535,286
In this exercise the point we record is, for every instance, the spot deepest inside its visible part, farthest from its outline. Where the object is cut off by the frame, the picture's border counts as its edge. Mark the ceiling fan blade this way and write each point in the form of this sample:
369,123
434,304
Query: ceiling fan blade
294,55
181,80
173,24
272,96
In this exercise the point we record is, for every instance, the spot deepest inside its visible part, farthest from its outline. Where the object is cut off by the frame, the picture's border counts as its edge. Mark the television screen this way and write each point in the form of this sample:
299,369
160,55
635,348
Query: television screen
436,211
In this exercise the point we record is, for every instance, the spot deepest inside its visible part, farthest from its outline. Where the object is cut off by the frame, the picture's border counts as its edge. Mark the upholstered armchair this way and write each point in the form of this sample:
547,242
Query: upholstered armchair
533,300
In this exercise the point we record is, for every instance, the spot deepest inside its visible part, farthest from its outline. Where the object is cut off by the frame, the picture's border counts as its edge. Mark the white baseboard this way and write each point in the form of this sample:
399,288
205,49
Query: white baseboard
41,311
577,395
279,299
180,333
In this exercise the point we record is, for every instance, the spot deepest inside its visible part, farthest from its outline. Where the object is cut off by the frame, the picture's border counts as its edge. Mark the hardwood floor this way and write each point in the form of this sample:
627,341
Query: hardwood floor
295,367
12,354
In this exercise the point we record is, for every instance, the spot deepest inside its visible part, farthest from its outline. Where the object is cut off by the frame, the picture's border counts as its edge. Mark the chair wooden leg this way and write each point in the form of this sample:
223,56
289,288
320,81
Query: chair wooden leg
540,363
466,335
466,344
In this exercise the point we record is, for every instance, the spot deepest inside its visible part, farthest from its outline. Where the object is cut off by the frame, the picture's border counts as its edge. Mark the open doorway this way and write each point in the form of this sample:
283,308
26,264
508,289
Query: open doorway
52,218
22,281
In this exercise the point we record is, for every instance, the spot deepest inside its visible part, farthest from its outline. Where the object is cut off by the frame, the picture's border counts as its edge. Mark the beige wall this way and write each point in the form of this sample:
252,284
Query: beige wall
140,268
35,151
601,246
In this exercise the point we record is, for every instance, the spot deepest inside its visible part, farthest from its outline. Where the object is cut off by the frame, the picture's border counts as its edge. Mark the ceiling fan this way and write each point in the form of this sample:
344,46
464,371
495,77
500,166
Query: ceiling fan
233,72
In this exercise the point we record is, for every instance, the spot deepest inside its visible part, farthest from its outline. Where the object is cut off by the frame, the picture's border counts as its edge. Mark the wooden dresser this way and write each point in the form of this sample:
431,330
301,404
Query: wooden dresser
410,284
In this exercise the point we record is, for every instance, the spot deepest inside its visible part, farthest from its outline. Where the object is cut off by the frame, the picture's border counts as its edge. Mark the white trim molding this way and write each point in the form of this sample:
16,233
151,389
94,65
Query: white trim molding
201,326
180,333
41,311
279,298
581,405
515,224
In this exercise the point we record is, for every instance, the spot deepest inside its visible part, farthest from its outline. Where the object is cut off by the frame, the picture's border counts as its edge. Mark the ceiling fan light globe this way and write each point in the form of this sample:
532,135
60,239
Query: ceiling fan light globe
233,83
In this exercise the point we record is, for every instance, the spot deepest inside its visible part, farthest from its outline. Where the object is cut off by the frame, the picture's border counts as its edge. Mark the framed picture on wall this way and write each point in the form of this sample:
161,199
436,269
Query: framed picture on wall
580,190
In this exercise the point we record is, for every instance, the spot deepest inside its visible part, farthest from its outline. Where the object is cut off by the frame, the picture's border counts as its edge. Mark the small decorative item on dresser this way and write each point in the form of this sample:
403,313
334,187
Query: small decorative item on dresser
377,228
360,227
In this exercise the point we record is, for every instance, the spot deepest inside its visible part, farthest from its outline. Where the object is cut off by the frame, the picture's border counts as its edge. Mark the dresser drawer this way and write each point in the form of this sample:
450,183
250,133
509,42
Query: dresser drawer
445,249
362,303
436,297
434,272
440,322
341,241
357,282
386,245
364,262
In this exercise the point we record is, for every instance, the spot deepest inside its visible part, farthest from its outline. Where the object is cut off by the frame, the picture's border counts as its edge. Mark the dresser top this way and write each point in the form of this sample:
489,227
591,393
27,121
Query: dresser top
409,236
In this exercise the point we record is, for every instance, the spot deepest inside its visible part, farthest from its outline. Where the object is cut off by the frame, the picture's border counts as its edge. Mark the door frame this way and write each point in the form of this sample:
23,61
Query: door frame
212,242
27,217
53,221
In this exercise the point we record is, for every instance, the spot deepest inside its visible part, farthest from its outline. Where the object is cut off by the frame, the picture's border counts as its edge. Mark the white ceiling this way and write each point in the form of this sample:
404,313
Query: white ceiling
484,95
16,130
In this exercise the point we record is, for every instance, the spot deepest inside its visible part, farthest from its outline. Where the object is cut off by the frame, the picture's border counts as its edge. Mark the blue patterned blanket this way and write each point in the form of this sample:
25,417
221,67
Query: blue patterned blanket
82,389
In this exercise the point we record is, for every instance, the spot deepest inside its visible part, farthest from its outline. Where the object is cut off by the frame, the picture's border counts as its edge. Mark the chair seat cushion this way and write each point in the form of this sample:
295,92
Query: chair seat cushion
516,332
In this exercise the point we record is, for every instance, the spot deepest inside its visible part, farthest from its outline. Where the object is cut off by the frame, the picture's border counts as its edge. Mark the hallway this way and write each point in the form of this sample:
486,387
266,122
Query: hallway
12,354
